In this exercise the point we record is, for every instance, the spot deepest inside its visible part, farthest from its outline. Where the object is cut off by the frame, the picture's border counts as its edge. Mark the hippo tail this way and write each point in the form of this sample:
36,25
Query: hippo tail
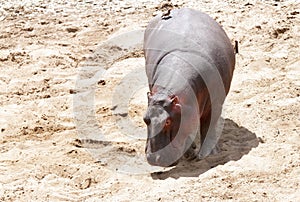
236,47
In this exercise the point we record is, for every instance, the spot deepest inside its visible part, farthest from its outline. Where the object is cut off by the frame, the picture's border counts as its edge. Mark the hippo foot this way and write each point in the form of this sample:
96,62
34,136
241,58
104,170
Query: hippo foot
213,151
191,153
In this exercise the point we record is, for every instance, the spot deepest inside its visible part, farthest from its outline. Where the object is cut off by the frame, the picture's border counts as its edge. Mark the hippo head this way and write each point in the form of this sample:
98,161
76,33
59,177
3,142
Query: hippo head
163,122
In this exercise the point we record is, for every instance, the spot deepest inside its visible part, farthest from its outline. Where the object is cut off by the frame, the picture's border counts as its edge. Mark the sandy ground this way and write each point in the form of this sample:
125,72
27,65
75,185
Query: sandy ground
48,47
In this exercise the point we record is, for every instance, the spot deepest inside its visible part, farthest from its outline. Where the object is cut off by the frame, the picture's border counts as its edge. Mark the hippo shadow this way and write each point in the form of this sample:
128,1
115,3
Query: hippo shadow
235,142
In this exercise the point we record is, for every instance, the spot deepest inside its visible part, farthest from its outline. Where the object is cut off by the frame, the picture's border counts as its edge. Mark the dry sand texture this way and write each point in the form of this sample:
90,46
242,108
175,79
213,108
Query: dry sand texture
45,44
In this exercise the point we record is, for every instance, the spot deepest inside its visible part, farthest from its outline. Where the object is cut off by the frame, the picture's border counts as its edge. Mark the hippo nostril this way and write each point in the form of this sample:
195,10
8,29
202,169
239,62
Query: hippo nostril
157,159
153,159
148,156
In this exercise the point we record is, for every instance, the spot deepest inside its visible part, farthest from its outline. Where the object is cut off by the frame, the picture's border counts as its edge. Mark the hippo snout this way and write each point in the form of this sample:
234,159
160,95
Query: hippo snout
155,159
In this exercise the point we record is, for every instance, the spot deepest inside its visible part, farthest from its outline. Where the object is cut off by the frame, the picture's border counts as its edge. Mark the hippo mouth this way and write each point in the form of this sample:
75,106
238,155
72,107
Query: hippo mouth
167,156
162,159
158,160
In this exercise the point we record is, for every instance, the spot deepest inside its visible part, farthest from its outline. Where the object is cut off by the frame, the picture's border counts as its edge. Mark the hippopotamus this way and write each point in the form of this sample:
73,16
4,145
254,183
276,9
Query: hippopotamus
189,63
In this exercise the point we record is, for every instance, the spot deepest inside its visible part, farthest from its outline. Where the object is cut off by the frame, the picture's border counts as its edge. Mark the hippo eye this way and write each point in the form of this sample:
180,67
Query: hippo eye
147,120
160,103
168,122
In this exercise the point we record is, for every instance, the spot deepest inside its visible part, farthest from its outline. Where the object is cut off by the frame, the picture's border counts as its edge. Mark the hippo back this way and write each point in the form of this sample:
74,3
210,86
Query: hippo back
187,33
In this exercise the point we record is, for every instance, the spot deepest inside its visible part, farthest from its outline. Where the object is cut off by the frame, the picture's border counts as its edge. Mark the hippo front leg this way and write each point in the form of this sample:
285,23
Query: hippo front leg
192,147
210,148
210,134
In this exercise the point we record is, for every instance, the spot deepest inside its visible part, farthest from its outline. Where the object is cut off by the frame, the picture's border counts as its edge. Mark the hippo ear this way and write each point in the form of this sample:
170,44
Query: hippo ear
175,100
149,95
176,106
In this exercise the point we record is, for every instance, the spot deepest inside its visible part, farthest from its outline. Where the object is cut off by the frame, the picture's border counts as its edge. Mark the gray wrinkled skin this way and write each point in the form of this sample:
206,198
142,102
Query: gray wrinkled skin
189,65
